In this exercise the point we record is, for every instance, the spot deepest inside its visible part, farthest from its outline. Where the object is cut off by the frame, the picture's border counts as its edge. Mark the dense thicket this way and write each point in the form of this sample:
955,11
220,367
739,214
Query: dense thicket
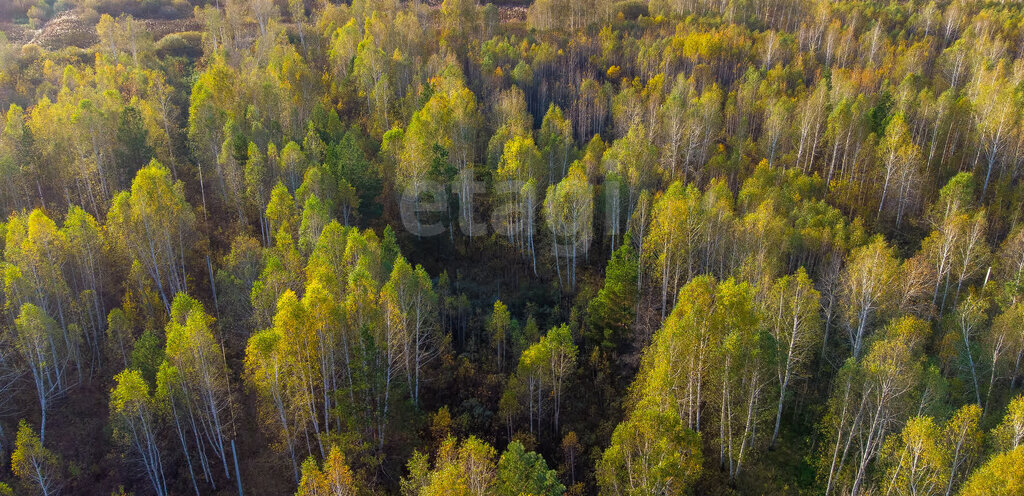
550,247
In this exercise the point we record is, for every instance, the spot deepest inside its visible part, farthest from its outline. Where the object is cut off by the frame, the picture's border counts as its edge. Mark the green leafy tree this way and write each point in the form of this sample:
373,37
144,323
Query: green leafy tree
569,211
40,470
962,442
193,382
634,160
267,367
89,261
132,151
556,142
49,356
461,469
792,317
35,256
520,168
156,226
119,336
1003,474
651,452
955,249
901,161
522,472
335,478
871,394
914,459
409,297
611,314
147,355
544,369
134,416
671,242
498,326
868,284
999,342
1009,434
315,215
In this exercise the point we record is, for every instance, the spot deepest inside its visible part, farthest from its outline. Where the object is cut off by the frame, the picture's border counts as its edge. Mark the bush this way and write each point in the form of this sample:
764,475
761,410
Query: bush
89,17
631,9
183,44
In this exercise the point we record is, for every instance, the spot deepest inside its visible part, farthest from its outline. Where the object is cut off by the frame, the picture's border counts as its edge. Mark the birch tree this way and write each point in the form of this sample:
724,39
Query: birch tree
961,446
268,370
676,224
745,368
651,452
871,397
520,167
1002,342
134,416
993,119
40,468
35,260
867,284
87,252
157,227
914,460
334,479
901,161
569,211
969,318
555,141
792,317
49,355
194,380
498,326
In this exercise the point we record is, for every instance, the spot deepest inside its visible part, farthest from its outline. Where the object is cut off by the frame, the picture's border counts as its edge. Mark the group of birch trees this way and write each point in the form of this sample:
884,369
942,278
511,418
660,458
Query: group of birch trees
647,244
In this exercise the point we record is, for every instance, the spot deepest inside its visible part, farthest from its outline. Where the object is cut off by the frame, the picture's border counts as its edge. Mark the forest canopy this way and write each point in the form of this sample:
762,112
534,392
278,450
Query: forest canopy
530,247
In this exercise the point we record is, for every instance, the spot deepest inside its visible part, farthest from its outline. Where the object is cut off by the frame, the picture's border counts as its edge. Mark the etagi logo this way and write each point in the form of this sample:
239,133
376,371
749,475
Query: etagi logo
517,210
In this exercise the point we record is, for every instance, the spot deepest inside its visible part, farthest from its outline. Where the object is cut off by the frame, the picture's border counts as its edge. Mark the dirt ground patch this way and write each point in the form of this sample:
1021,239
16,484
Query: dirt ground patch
17,34
67,28
78,28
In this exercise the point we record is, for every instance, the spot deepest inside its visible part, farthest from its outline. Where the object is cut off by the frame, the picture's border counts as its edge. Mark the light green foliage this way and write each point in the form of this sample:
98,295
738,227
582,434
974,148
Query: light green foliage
522,472
147,355
460,469
868,284
914,459
887,382
499,327
49,354
449,120
676,223
334,478
193,379
556,142
133,414
791,315
1003,474
155,225
315,215
1009,434
39,469
650,453
569,210
281,212
469,468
